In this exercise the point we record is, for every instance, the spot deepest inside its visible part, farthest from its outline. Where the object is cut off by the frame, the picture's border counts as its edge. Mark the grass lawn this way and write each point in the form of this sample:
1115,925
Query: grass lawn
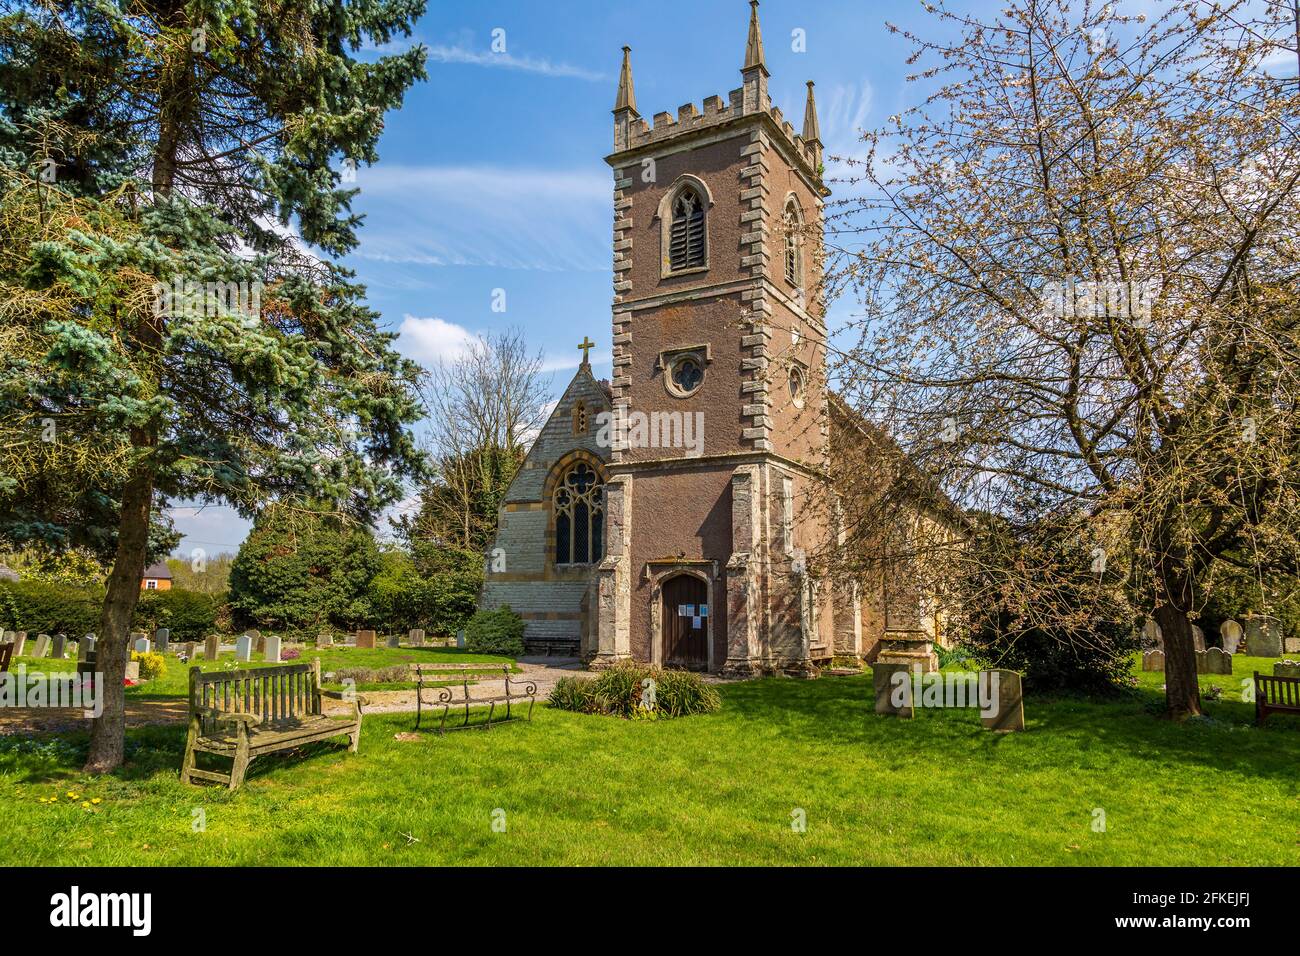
718,789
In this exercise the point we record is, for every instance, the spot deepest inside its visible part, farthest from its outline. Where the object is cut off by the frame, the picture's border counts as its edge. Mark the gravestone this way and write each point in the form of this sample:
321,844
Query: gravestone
1152,636
244,648
20,640
42,645
1263,637
883,678
132,670
416,636
1230,632
460,638
394,641
325,639
1286,669
1153,660
60,645
1291,645
1198,638
212,647
1009,701
1214,660
162,637
259,642
86,646
272,645
187,650
365,638
141,643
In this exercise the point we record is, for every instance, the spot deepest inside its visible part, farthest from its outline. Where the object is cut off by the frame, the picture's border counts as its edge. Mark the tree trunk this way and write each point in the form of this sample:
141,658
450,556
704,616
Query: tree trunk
107,733
1182,690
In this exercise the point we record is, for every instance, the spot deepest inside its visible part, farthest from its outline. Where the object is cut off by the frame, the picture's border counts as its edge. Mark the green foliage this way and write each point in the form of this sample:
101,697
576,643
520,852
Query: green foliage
618,692
496,631
40,607
189,615
75,567
211,575
437,594
303,571
153,666
1233,593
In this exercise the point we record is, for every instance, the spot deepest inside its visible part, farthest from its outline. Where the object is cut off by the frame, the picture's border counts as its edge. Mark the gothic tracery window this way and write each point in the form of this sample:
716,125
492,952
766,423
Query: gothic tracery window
687,237
579,516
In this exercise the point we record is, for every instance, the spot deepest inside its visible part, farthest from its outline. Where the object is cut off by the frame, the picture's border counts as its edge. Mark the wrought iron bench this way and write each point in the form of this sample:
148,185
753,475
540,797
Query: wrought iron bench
458,693
1275,695
244,714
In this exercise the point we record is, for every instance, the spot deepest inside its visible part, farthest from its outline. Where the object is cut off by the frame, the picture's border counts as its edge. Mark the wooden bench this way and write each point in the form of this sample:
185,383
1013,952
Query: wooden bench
244,714
1275,695
6,655
458,694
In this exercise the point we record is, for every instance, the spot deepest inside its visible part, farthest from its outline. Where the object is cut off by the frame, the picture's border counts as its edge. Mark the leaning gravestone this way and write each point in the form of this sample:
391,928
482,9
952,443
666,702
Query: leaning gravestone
1009,701
1153,660
1230,631
212,647
1263,637
890,698
365,638
394,641
20,640
1214,660
1286,669
60,645
272,651
244,648
42,645
1198,638
416,636
162,637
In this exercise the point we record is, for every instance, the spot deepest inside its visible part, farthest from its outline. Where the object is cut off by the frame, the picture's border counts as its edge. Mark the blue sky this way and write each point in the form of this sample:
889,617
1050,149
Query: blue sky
492,174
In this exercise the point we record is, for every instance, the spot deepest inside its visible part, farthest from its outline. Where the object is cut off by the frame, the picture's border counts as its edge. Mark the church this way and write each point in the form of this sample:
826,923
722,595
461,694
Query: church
664,516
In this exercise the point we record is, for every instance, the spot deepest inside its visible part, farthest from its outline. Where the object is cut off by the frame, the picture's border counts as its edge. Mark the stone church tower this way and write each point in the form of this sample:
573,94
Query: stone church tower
718,323
672,515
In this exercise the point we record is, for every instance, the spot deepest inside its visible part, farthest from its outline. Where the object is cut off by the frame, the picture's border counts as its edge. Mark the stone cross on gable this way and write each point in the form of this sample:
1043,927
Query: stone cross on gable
586,345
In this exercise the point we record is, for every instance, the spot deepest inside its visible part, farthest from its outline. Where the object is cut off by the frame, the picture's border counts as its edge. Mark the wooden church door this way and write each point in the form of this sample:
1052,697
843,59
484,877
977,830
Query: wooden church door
686,623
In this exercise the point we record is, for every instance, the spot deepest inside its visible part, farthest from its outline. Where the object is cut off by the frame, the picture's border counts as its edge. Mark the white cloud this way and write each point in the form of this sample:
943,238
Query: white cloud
508,61
430,340
491,216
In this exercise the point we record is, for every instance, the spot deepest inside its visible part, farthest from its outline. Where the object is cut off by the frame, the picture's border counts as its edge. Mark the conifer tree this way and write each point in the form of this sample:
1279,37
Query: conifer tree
176,180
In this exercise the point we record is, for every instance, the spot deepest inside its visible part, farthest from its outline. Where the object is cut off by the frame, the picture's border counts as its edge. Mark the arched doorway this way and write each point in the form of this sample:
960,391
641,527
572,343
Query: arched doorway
684,623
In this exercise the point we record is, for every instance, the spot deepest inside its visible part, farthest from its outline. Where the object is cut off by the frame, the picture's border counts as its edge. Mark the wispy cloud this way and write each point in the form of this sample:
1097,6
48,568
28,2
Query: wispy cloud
486,216
508,61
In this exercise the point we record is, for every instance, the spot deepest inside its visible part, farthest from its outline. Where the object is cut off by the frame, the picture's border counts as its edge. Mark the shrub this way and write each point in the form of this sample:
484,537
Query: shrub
152,665
41,607
189,615
617,692
496,631
572,693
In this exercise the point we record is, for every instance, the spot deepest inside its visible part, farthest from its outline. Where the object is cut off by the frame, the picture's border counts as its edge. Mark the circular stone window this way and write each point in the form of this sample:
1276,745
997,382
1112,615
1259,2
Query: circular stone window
796,387
685,375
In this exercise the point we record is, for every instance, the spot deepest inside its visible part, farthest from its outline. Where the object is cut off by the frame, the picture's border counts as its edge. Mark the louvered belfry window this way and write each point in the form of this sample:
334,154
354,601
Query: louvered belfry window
686,244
